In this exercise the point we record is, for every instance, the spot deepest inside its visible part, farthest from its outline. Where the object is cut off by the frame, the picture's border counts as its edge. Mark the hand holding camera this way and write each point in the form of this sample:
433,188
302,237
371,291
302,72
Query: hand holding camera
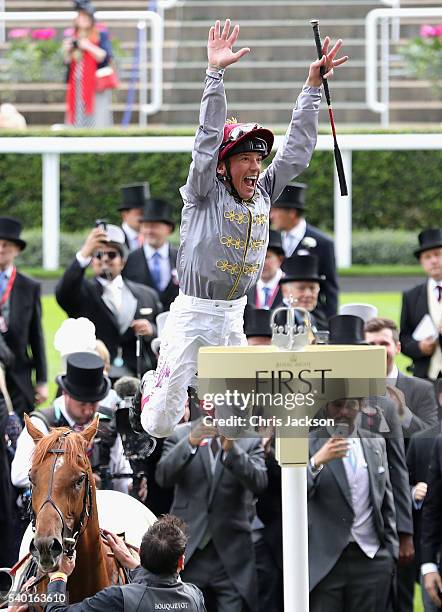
95,240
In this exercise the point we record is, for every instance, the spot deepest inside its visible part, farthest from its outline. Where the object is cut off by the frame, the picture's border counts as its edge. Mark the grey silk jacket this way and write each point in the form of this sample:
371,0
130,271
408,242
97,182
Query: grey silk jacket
224,239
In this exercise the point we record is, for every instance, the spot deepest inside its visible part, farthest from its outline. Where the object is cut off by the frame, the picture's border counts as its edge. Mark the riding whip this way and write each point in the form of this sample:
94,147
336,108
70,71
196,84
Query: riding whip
338,159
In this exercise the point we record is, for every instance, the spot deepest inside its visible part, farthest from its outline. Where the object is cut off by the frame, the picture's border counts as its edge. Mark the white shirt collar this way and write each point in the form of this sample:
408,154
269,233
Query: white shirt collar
433,284
59,403
298,232
271,284
393,374
117,282
163,250
129,231
8,271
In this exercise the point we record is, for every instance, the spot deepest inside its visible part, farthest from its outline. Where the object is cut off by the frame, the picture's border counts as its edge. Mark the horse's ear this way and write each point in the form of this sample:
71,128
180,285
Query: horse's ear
33,431
91,430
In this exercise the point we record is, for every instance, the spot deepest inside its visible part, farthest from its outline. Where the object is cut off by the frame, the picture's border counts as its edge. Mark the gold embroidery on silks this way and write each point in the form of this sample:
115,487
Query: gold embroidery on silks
225,266
239,217
229,241
257,245
260,219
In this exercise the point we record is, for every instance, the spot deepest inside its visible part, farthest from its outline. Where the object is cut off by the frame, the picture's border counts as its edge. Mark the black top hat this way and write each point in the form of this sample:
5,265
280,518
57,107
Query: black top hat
158,210
293,196
275,242
257,322
84,379
135,195
346,329
429,239
10,229
301,268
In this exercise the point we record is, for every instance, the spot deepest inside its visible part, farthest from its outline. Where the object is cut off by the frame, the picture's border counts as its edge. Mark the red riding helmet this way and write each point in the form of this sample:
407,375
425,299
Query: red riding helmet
245,137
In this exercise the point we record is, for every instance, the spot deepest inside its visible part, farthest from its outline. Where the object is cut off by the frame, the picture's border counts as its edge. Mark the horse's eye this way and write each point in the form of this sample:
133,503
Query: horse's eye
80,481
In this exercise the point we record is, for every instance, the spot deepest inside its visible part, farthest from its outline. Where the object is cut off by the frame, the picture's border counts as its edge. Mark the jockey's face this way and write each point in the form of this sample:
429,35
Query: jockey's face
81,412
244,172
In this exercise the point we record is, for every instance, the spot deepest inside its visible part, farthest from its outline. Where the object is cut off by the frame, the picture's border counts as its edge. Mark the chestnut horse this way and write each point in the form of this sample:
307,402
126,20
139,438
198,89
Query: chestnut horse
64,510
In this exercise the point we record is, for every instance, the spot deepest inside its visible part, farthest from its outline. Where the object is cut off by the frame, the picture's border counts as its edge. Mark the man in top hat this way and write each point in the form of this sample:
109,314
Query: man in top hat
267,293
380,416
83,386
134,198
298,236
20,323
224,224
257,326
302,282
421,316
154,263
122,311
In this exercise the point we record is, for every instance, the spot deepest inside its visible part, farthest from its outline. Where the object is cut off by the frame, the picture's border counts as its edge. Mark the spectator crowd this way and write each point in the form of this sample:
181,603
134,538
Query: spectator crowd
373,483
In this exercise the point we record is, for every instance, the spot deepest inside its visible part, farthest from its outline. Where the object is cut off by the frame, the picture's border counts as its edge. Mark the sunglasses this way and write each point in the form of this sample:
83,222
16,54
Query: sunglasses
110,254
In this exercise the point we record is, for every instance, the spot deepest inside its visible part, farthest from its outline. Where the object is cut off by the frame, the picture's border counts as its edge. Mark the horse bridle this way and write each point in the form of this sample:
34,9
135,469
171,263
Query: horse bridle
70,537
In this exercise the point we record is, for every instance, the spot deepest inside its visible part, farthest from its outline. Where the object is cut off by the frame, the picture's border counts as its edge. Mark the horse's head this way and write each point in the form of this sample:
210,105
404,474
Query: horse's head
62,491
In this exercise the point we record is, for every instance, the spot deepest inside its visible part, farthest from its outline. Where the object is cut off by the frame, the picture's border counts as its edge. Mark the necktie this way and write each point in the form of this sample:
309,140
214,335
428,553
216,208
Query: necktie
78,428
156,269
3,282
352,457
214,447
266,291
439,293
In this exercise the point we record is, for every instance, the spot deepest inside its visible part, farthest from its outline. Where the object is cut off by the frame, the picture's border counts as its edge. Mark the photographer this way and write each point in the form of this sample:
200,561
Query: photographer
156,584
121,310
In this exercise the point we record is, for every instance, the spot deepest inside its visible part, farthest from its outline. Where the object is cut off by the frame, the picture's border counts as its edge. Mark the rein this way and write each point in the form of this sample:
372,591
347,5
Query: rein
70,537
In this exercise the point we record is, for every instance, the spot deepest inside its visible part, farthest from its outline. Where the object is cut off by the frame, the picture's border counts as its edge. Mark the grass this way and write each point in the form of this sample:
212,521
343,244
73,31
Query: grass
356,270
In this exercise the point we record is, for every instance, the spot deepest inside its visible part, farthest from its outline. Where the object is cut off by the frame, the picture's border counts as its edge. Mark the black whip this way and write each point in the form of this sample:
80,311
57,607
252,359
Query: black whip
338,159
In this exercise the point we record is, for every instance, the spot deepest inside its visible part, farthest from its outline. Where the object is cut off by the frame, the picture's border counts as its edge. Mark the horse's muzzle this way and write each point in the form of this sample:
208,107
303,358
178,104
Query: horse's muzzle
47,552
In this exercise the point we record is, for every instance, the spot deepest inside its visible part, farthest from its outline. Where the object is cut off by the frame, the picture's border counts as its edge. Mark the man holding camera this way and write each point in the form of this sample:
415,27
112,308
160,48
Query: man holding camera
121,310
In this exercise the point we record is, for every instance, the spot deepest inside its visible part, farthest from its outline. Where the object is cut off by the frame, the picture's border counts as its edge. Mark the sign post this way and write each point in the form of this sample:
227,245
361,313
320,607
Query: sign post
316,372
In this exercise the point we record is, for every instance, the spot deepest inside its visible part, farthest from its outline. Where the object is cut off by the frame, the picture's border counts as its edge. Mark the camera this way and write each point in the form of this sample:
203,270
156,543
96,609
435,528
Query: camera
136,444
74,44
102,223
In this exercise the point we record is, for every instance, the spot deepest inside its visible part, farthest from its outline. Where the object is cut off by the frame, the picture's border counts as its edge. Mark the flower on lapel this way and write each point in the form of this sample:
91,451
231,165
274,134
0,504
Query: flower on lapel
309,242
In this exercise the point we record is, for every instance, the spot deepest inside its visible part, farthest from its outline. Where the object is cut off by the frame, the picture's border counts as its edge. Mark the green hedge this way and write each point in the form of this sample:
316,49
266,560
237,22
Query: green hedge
378,247
391,190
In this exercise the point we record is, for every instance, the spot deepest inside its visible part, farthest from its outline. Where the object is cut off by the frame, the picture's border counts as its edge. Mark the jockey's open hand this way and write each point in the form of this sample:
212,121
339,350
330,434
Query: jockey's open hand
328,62
219,46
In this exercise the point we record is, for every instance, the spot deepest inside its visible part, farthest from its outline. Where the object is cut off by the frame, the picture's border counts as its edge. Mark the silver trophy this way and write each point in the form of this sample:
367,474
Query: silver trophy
292,336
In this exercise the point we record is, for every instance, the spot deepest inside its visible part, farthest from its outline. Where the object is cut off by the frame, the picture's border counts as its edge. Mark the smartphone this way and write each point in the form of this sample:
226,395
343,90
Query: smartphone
341,430
102,223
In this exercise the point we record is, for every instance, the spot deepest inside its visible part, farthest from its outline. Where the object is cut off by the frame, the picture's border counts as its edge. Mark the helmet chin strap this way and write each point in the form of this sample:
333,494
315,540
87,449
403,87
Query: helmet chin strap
227,178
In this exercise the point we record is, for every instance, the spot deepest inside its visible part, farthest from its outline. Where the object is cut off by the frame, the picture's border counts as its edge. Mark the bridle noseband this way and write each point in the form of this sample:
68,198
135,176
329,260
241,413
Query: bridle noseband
70,537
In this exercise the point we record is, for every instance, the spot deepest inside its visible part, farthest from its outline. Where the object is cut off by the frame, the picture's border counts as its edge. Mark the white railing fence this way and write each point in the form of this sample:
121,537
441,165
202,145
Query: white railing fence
381,18
50,148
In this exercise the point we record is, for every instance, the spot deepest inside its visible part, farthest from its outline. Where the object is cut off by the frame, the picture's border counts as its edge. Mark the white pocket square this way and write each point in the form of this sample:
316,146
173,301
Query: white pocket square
381,469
